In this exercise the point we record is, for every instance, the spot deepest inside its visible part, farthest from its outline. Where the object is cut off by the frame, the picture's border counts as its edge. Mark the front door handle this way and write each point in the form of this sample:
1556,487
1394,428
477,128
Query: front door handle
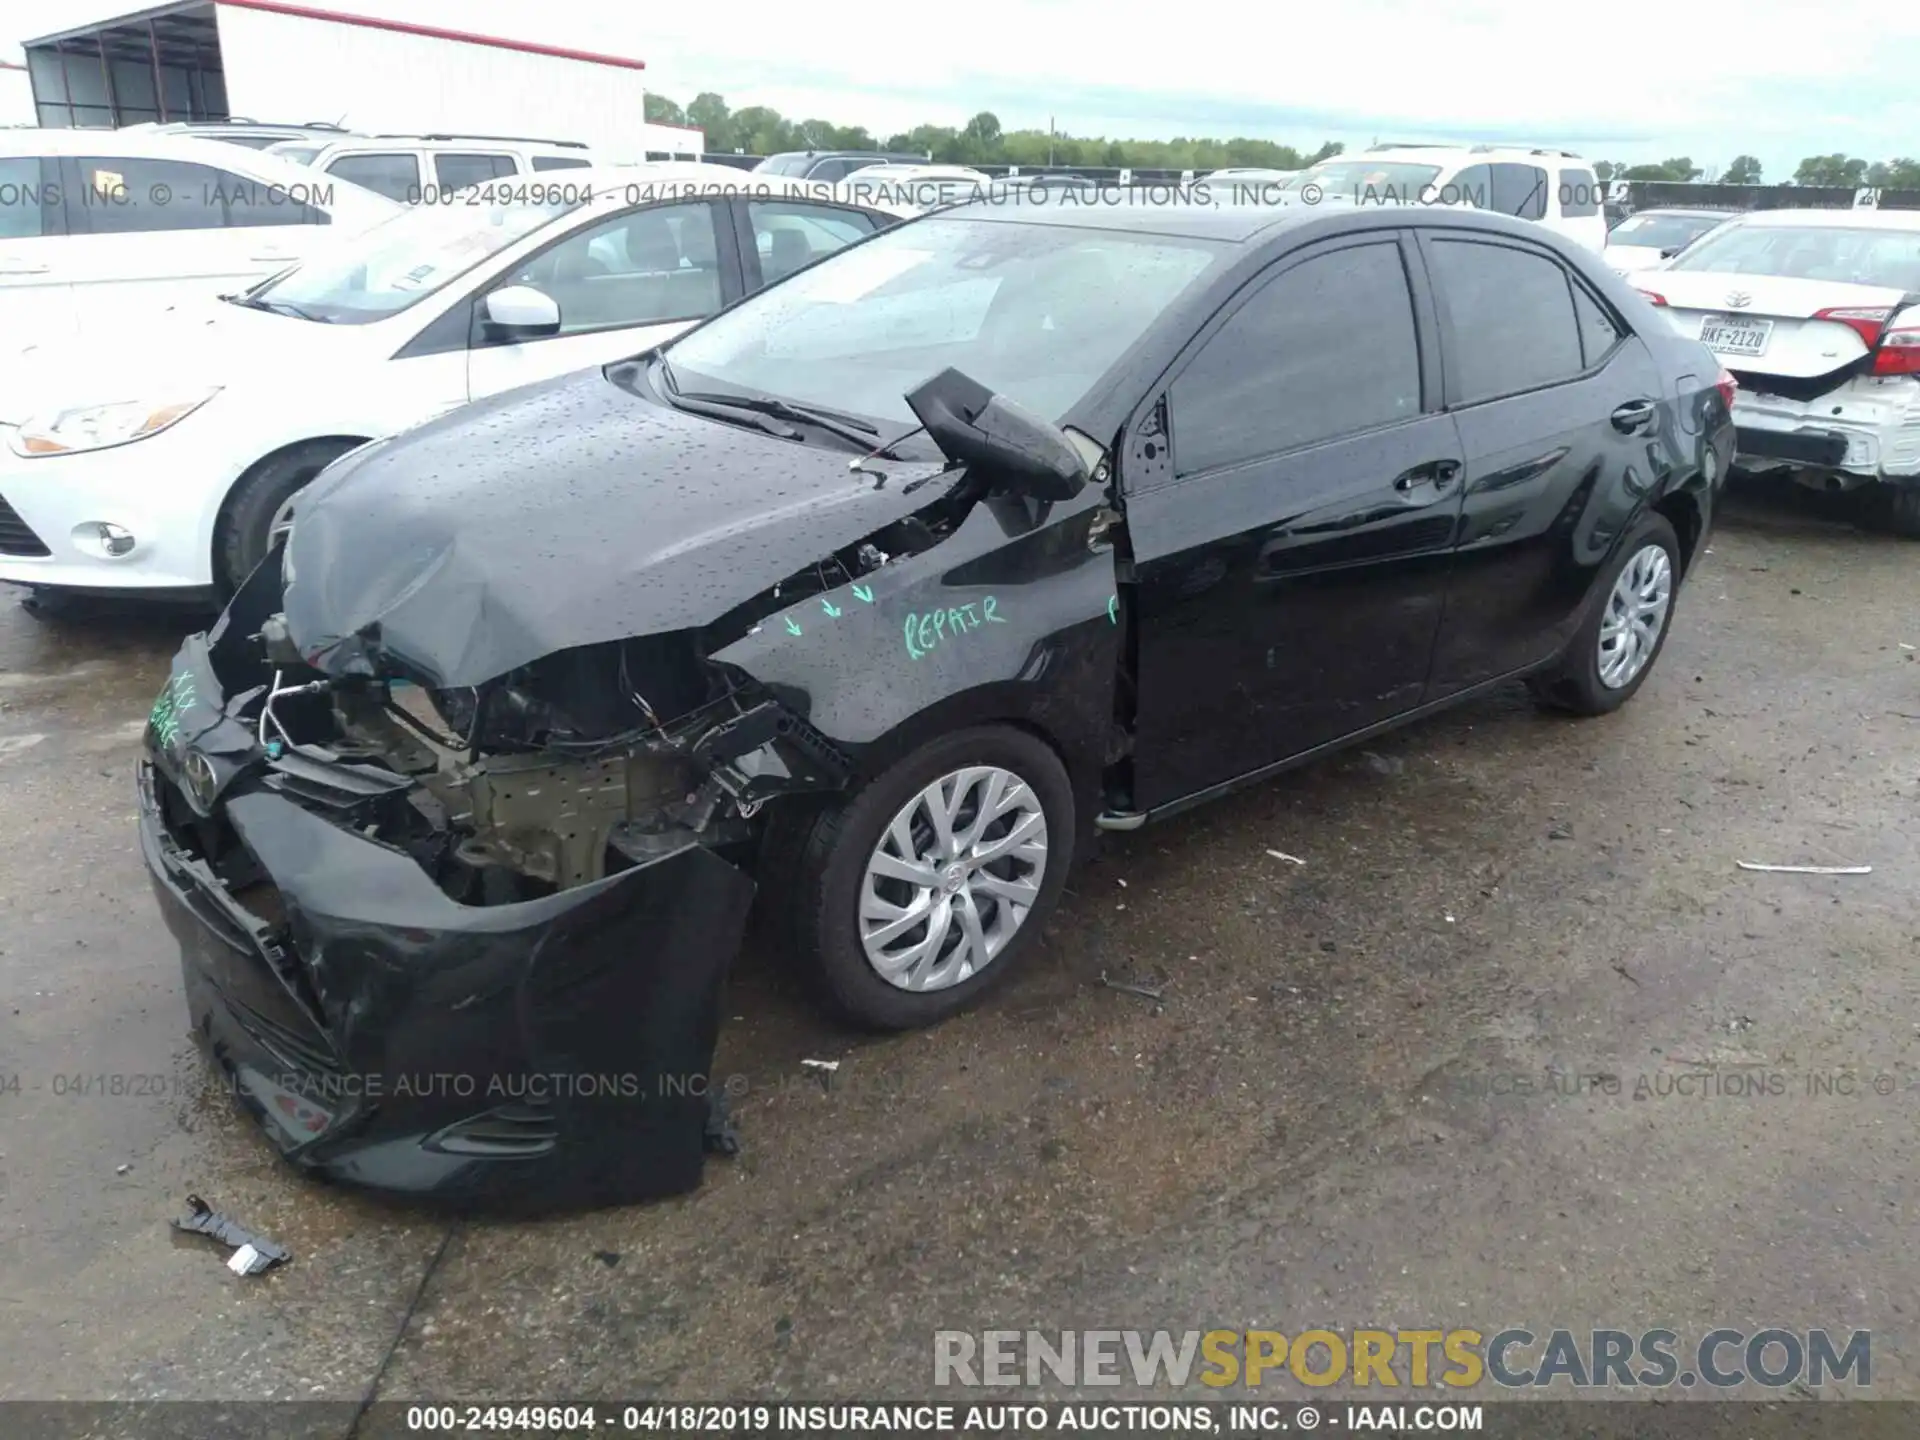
7,267
1429,481
1633,416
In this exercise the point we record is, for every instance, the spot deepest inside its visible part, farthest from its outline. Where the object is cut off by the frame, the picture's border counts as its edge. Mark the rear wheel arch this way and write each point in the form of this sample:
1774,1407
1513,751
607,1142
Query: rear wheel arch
1682,510
256,494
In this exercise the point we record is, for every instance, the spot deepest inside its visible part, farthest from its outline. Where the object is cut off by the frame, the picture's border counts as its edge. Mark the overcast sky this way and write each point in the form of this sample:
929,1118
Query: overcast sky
1629,80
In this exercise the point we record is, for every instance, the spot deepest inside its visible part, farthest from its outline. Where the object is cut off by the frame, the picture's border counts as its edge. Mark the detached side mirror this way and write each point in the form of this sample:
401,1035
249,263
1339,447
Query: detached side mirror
519,312
1023,453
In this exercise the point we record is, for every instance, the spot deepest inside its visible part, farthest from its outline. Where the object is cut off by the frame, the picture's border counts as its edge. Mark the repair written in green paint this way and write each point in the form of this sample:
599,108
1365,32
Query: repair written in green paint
164,720
926,631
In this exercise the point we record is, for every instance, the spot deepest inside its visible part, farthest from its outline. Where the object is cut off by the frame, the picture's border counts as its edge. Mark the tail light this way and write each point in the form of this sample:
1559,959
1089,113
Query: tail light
1726,385
1866,323
1654,297
1898,353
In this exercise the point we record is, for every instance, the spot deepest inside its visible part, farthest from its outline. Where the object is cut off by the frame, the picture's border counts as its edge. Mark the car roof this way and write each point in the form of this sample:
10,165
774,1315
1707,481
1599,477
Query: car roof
255,165
1233,223
1703,210
1847,218
1472,155
614,185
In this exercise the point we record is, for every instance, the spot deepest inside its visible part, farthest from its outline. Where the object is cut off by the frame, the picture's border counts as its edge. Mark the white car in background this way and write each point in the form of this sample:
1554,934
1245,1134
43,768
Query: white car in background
1647,237
162,462
1556,188
417,169
1817,315
98,226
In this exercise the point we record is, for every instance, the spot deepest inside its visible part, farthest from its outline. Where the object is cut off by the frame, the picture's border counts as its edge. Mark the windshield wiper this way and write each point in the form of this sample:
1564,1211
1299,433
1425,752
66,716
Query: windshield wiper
857,433
276,307
849,428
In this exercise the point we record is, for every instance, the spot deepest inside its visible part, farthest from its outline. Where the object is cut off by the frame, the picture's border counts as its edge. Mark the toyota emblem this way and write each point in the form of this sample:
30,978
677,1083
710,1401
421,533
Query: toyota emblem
1738,299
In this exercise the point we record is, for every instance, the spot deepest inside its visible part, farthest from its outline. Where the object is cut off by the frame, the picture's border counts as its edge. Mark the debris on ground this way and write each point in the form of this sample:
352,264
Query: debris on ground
252,1253
608,1258
1290,859
1383,764
1806,869
1145,992
824,1069
1560,832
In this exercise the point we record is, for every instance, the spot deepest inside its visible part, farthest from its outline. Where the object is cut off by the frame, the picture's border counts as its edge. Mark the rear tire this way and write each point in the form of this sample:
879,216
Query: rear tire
1597,675
835,877
241,539
1895,509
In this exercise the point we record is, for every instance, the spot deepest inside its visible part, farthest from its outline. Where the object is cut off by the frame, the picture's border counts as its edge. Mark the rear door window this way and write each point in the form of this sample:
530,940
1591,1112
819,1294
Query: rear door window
789,234
1472,186
1519,190
1507,319
1325,349
134,195
395,174
456,170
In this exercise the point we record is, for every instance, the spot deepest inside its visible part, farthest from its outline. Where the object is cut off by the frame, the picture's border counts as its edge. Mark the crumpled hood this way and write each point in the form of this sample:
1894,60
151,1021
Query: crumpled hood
567,513
165,353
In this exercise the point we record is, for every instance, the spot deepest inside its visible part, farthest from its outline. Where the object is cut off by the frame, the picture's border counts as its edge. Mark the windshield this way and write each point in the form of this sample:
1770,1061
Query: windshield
1036,313
1854,254
1371,179
403,260
790,164
1662,232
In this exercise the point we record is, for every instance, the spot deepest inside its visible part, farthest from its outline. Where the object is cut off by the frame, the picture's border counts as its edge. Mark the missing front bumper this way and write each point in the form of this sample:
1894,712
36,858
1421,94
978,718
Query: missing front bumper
552,1053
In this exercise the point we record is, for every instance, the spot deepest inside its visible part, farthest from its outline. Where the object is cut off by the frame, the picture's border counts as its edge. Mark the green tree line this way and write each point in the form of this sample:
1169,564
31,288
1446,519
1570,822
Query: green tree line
758,130
1848,170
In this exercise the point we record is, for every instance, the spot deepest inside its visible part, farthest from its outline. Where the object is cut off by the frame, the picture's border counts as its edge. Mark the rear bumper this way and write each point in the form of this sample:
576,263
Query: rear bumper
546,1054
1863,428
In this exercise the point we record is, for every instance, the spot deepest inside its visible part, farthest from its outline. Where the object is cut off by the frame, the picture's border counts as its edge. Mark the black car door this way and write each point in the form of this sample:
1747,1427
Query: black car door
1561,414
1291,499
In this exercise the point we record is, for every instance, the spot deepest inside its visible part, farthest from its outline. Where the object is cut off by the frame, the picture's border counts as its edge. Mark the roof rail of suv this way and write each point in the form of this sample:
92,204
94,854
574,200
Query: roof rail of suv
258,124
497,139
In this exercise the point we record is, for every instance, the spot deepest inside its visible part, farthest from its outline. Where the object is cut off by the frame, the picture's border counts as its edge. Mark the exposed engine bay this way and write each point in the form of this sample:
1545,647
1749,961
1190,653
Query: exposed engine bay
581,763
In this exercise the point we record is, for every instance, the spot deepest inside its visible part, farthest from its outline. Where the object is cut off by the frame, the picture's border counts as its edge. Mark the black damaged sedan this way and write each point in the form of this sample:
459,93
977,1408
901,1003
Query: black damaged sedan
867,603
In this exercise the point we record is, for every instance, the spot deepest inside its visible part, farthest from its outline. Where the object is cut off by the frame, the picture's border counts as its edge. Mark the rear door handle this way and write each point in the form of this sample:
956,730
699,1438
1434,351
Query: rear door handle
1632,416
1428,482
9,268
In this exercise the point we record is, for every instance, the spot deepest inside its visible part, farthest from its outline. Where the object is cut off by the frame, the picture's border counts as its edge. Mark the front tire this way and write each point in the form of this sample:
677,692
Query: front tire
931,882
244,534
1615,650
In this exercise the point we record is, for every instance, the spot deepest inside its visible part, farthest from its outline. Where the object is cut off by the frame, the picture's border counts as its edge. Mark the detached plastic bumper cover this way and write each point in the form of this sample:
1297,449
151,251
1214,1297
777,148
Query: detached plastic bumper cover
547,1054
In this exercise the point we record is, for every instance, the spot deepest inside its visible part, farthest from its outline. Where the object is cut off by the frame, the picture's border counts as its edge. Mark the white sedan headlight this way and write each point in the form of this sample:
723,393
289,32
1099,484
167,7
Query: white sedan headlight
98,427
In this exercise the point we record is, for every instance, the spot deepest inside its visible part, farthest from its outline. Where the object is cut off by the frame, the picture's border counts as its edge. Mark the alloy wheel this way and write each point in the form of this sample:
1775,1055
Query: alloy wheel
1635,617
952,877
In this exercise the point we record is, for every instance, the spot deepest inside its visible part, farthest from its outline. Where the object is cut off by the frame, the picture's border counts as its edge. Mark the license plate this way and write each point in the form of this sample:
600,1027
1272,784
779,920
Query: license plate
1735,334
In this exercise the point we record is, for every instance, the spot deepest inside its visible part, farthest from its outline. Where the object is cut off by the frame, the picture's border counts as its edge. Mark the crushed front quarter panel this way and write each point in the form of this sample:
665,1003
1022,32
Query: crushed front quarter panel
1015,615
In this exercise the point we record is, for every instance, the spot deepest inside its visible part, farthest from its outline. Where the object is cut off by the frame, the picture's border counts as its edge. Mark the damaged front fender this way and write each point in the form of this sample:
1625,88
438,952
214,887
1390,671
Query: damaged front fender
1014,616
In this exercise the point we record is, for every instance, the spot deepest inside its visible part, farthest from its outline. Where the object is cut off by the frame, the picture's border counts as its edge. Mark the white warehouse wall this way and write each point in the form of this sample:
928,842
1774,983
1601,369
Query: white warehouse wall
289,68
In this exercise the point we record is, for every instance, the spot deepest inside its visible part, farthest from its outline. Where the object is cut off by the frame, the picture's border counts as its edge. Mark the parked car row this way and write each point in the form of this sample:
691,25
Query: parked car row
240,399
865,601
